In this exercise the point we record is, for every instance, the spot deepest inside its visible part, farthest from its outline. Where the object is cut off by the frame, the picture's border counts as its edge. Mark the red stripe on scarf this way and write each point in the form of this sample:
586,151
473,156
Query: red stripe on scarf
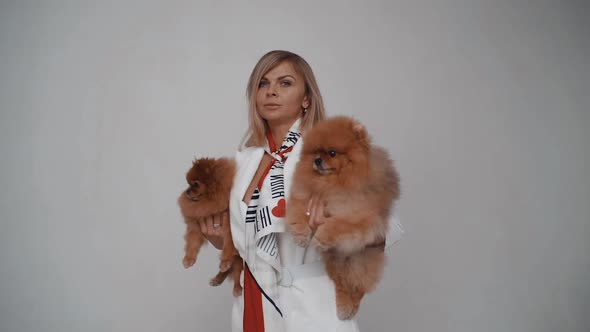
273,148
253,313
271,141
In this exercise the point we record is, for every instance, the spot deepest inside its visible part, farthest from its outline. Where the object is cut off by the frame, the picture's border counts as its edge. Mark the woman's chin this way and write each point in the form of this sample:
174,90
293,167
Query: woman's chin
279,118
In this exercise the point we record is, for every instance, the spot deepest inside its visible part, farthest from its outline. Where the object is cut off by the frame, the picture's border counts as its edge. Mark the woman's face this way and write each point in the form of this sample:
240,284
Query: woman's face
281,95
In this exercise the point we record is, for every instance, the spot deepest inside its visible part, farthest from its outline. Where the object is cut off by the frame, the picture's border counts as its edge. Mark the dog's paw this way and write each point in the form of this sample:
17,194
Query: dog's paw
302,239
320,245
225,265
215,281
323,240
346,311
237,291
301,234
188,262
346,306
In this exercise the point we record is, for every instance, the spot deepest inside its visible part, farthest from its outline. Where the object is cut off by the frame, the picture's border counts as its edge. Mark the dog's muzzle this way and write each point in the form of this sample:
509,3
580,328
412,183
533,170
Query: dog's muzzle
318,165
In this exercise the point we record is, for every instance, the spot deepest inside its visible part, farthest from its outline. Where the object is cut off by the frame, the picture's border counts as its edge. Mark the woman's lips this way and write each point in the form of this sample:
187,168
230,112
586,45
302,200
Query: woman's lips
272,106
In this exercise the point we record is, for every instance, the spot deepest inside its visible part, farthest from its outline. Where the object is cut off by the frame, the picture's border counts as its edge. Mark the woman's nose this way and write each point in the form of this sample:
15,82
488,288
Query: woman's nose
272,90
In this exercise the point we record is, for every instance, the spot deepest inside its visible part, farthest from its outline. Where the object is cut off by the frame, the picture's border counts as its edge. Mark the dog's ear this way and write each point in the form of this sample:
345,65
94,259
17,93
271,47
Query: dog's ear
360,132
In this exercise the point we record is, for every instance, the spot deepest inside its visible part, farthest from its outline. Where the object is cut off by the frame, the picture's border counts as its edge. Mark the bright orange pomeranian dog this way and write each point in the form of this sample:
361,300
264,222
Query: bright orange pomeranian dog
209,185
358,185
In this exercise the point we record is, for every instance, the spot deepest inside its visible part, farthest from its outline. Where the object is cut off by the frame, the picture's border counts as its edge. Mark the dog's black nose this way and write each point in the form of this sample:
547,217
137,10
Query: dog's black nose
318,161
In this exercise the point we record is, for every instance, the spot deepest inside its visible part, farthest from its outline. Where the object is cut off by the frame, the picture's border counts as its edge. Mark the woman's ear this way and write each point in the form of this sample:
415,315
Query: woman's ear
305,102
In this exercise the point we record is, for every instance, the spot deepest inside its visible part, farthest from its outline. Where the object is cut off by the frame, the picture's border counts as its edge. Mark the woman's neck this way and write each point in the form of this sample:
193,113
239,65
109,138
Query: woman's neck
279,131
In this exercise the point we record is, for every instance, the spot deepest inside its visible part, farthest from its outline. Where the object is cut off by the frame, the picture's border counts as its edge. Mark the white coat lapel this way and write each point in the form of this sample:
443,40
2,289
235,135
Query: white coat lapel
247,162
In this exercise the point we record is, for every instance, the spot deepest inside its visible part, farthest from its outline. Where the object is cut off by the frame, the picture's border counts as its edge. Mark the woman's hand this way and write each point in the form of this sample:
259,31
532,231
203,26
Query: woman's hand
316,211
213,227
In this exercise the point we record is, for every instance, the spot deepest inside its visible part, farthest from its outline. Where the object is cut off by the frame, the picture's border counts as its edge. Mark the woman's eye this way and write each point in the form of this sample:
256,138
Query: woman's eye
285,83
262,84
332,153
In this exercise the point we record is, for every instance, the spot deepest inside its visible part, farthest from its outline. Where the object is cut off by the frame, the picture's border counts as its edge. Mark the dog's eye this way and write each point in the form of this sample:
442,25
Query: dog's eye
332,153
196,184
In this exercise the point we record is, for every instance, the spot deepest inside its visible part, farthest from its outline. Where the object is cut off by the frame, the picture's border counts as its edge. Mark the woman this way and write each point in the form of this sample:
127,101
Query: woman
285,286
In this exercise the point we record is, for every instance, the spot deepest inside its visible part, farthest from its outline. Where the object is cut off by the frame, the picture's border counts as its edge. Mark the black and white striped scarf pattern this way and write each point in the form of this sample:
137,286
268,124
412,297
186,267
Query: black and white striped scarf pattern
267,205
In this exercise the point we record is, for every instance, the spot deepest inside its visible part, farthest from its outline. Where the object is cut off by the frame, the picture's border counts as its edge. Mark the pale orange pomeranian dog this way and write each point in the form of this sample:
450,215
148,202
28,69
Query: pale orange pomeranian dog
358,185
209,185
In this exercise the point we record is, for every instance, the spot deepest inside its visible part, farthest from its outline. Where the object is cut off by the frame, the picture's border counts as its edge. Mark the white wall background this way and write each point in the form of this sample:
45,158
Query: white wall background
484,104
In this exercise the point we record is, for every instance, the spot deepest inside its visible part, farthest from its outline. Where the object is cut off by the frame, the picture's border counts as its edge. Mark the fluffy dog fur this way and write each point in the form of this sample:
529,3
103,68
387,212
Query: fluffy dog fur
209,185
358,184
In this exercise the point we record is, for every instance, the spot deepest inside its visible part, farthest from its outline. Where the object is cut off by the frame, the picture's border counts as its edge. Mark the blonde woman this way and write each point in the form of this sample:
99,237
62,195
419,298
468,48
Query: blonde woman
285,286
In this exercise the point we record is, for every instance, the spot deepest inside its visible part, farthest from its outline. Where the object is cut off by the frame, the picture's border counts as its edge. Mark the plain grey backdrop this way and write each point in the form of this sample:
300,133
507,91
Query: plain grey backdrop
483,104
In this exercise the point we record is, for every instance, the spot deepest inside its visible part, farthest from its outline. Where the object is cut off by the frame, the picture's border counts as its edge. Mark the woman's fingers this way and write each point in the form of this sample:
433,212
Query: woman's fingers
224,222
203,225
217,224
210,229
312,214
320,214
315,207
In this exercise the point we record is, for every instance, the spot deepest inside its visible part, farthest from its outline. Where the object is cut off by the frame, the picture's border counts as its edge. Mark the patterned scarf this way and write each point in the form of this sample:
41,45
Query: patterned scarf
267,205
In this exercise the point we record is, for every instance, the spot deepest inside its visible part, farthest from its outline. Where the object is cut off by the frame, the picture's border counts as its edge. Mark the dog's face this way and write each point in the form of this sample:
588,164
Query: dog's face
337,146
199,178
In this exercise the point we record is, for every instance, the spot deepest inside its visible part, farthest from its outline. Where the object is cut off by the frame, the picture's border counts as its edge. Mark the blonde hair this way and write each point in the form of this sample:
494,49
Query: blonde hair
256,134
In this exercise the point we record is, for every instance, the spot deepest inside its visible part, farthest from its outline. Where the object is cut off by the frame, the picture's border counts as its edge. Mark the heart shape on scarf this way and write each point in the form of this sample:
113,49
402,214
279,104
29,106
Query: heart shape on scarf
279,210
